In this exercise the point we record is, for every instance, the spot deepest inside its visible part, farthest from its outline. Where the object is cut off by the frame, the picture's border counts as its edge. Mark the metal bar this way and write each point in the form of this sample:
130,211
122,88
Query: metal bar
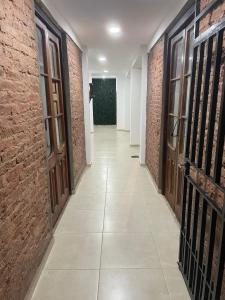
194,238
213,30
187,151
205,102
183,220
213,104
220,137
207,9
210,178
209,200
220,265
197,102
209,260
188,225
201,249
197,12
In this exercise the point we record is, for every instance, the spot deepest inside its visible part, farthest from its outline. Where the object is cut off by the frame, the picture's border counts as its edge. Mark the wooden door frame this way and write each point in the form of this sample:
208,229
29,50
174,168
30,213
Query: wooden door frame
43,14
180,22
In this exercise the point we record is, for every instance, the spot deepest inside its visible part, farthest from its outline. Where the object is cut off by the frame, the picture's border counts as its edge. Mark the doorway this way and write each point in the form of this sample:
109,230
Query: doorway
54,117
181,56
104,101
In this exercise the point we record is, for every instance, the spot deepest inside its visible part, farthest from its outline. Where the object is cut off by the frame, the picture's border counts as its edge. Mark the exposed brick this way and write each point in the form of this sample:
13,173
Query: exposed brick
154,107
24,203
77,107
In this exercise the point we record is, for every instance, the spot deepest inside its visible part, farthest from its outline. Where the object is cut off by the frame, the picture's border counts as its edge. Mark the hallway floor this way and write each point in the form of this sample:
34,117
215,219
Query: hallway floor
117,238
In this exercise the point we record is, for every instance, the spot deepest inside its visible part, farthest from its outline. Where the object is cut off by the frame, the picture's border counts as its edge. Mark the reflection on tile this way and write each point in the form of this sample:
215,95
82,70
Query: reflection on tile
132,284
127,220
129,251
68,285
80,221
75,252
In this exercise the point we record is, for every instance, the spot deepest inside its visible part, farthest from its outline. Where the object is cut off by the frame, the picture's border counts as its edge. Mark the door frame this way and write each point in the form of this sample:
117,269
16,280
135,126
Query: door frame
43,14
185,17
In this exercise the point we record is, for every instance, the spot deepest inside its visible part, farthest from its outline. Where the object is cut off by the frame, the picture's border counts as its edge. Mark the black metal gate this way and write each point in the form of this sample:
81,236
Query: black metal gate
202,239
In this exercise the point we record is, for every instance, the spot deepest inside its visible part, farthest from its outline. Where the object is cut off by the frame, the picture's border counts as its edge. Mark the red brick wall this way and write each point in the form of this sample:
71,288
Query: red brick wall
24,203
77,107
214,16
154,107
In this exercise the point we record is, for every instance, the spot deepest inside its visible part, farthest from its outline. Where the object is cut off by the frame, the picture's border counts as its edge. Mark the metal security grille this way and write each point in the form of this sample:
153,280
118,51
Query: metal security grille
202,239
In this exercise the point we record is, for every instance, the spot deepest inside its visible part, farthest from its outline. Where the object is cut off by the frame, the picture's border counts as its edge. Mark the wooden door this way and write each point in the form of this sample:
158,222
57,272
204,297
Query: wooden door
179,83
104,101
54,118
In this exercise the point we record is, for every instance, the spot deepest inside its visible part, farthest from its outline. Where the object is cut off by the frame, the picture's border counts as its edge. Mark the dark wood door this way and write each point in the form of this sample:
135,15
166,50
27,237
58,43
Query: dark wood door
104,101
179,86
54,118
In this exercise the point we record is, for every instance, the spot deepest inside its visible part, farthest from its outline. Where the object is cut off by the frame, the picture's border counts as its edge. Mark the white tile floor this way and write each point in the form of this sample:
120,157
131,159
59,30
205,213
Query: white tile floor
117,239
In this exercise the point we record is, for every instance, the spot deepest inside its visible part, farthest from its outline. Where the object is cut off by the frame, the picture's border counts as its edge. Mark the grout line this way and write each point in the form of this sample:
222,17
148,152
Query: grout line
162,269
100,266
113,268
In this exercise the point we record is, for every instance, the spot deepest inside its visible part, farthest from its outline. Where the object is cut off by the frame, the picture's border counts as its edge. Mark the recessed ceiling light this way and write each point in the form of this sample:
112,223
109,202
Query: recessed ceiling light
114,30
106,71
102,58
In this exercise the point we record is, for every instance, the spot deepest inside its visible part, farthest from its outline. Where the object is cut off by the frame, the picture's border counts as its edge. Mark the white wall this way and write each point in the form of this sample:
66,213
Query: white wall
91,117
135,106
144,75
87,124
123,102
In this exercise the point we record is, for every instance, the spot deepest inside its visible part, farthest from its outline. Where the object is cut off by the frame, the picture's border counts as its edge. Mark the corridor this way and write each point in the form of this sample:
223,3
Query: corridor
117,238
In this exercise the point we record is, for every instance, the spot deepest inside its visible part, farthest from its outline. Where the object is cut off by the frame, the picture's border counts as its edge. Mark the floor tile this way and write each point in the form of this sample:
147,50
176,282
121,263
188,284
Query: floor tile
122,201
130,284
175,283
89,201
138,250
68,285
129,251
75,252
80,221
125,220
167,245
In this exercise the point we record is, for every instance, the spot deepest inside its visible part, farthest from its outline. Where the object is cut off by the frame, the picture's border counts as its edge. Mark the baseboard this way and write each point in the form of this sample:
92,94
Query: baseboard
125,130
153,181
39,266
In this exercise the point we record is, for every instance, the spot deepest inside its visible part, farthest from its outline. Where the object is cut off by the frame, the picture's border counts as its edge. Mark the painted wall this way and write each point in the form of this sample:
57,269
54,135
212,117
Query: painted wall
135,106
123,102
144,72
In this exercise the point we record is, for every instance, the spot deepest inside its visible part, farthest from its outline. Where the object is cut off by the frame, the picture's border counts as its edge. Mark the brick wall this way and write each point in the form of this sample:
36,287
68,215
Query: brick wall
24,204
77,107
154,107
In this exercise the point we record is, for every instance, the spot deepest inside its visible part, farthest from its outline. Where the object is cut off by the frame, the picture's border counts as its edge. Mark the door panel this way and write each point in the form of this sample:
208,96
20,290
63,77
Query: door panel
53,111
104,101
179,86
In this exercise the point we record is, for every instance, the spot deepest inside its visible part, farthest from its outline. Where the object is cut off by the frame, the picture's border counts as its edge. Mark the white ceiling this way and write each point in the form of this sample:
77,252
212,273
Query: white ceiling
138,19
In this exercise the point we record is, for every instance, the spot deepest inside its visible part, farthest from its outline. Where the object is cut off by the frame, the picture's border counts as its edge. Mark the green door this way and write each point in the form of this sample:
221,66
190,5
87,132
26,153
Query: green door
104,104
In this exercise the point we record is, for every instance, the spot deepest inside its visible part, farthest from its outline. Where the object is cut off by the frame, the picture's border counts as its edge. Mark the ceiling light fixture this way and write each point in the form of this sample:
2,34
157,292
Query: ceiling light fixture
102,58
114,30
106,71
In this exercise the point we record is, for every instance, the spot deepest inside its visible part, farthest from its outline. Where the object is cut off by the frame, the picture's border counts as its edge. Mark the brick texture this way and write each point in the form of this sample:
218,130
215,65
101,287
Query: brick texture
154,107
77,107
24,203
